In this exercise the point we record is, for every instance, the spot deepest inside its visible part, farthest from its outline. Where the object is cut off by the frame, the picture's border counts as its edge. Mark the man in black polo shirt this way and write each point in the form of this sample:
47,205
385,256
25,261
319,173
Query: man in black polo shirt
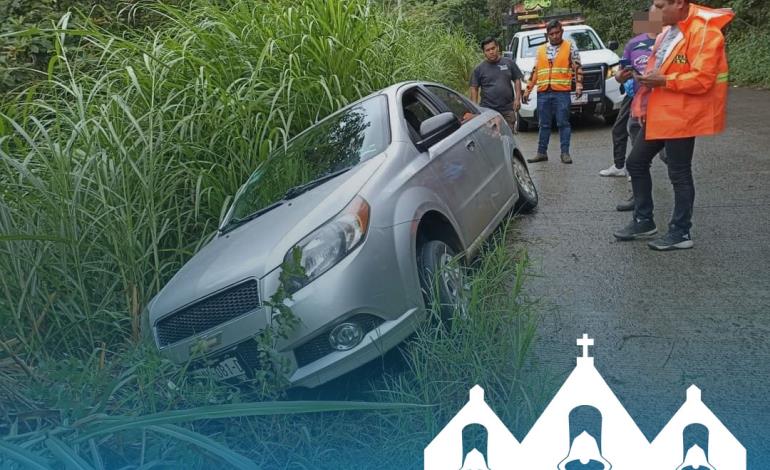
495,77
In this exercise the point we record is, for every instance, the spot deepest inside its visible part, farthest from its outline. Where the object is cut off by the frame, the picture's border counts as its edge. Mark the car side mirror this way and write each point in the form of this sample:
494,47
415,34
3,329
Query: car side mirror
612,45
436,129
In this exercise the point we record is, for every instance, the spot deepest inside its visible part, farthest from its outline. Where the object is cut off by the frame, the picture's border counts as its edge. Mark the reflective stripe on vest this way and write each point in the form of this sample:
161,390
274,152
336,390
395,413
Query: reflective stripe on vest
556,76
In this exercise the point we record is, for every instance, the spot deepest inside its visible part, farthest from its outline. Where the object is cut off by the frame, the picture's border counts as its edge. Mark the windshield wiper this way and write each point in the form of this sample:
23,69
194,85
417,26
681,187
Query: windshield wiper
297,190
237,221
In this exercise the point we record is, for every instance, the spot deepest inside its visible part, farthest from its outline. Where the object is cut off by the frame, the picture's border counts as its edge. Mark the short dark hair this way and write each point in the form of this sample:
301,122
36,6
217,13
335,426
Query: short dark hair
553,24
487,40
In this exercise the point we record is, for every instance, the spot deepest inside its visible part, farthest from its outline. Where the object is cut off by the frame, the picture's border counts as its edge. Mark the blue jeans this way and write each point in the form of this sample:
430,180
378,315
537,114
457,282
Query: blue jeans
550,104
679,160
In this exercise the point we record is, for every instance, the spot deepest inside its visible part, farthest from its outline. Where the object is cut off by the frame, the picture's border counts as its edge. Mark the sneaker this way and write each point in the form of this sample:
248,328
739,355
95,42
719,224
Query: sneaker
673,240
613,171
636,229
565,158
626,206
540,157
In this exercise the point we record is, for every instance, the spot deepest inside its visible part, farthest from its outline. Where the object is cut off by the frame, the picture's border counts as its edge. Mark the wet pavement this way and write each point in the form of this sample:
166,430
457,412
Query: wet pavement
662,321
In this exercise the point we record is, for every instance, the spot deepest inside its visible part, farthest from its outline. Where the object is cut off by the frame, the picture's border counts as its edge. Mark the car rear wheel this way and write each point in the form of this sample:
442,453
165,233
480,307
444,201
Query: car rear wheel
442,279
527,192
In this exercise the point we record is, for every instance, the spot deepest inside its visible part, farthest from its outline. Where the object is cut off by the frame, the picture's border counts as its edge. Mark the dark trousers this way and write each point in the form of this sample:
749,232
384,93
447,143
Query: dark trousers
552,104
620,133
679,153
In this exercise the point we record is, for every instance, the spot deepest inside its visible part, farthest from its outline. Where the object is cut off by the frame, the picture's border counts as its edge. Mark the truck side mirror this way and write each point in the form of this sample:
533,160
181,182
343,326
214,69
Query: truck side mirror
612,45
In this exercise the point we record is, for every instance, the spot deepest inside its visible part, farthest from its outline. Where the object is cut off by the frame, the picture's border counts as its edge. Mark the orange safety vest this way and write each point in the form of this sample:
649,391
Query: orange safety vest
694,99
556,76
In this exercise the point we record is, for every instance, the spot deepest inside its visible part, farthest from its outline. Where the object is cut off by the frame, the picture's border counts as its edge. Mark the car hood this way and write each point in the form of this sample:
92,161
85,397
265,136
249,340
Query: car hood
259,246
601,56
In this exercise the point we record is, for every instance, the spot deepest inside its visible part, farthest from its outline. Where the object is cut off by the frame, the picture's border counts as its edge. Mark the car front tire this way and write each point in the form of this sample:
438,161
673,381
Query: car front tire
442,278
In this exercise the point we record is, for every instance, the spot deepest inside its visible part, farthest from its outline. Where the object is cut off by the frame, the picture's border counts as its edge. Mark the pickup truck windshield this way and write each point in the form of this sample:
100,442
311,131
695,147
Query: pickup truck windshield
584,39
332,146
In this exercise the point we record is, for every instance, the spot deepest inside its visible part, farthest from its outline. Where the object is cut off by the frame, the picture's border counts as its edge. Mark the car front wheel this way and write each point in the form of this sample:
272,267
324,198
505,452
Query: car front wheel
442,278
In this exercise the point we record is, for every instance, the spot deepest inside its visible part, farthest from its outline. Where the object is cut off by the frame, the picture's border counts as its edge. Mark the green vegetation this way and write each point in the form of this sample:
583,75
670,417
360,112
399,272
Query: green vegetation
117,167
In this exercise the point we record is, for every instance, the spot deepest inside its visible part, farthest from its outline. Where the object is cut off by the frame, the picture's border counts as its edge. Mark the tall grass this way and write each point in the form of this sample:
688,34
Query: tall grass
117,169
111,410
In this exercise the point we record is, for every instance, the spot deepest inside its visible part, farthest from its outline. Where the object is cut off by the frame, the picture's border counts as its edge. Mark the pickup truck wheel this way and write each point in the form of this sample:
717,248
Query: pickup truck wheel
442,279
609,118
527,200
521,124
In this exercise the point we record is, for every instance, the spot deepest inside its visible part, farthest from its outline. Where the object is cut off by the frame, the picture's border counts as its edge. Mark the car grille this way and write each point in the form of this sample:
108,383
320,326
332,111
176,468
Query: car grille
208,313
593,78
319,346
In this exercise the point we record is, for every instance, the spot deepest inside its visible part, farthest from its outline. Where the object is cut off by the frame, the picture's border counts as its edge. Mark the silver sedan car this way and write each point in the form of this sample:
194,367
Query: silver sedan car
370,202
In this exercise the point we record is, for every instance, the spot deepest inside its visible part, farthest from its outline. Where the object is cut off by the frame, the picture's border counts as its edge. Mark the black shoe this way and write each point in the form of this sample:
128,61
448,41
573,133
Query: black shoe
636,229
626,206
565,158
540,157
673,240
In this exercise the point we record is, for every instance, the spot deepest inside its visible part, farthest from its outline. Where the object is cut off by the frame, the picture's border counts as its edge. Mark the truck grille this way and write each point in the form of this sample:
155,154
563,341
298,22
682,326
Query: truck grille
593,78
208,313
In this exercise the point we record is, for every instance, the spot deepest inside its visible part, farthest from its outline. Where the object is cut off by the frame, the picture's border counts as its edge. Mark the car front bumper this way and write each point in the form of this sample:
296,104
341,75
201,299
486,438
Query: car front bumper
369,283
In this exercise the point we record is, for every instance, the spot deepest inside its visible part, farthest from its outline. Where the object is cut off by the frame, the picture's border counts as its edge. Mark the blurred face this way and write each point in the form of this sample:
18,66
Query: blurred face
554,35
652,25
671,11
491,52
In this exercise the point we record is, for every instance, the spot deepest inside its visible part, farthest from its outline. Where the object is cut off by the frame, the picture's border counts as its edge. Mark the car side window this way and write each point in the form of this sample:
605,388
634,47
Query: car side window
417,109
459,106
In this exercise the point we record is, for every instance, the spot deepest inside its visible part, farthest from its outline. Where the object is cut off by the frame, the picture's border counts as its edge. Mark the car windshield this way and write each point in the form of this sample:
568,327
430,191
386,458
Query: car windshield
584,39
329,148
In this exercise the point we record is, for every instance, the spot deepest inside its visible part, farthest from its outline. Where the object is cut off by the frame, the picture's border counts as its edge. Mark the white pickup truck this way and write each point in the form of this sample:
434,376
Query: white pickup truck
601,93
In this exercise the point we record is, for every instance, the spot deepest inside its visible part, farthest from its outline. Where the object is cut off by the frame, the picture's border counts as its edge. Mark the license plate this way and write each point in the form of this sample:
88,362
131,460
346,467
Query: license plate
226,369
582,100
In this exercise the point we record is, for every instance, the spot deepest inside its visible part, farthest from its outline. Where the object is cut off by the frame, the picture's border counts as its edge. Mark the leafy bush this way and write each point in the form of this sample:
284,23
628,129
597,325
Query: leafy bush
749,57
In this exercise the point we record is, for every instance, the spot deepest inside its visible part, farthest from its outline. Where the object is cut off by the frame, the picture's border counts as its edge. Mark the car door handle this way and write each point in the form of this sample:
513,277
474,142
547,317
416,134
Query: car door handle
471,145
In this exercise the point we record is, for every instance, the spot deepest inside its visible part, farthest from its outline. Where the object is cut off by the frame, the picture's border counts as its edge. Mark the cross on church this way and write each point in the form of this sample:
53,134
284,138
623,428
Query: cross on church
585,342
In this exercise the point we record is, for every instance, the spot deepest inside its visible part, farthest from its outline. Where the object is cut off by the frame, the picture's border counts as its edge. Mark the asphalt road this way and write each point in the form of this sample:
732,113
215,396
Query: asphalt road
662,321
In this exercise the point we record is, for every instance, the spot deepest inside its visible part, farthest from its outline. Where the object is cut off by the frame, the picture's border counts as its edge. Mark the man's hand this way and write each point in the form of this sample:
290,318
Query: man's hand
516,104
578,90
653,80
623,75
525,97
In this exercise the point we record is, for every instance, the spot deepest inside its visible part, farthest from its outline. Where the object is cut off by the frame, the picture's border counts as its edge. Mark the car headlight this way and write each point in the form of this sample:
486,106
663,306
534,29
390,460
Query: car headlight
328,244
612,70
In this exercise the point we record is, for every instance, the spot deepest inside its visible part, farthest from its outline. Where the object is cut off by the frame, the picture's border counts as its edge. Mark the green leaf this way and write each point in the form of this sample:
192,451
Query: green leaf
233,458
114,424
67,455
23,456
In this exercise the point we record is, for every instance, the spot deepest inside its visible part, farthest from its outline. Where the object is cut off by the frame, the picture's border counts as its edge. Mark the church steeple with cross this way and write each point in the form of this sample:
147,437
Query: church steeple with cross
585,342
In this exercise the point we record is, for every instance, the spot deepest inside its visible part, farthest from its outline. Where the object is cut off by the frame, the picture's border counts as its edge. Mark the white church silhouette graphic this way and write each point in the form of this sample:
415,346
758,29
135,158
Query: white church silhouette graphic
614,442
